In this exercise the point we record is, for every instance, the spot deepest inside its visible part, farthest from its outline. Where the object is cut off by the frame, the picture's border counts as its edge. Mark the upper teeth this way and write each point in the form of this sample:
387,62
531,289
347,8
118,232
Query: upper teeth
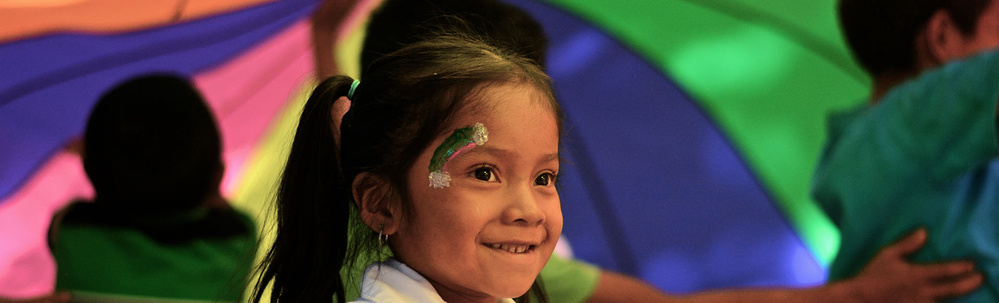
510,247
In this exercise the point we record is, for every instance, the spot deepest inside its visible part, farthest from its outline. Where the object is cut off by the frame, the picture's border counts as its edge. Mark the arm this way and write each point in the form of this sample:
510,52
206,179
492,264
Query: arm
325,22
887,278
59,297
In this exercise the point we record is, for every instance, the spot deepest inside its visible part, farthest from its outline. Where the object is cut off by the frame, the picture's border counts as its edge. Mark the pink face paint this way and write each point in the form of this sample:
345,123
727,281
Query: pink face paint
462,140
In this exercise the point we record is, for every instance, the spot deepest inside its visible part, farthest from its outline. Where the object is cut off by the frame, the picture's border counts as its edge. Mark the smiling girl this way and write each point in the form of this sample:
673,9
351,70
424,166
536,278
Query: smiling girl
449,152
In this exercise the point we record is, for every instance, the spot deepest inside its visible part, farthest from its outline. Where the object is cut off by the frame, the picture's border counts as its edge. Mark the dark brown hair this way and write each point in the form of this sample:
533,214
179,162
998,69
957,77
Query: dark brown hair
151,147
882,33
397,23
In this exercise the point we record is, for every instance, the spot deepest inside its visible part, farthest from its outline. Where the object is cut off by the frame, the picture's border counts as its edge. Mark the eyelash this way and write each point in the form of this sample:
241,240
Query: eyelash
489,173
553,177
485,168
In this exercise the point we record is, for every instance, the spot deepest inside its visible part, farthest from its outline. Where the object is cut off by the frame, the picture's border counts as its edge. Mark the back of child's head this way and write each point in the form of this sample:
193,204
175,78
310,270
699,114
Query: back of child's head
882,33
151,147
407,99
397,23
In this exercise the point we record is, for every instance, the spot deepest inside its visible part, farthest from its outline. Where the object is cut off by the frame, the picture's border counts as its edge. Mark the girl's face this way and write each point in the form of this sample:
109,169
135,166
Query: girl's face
488,234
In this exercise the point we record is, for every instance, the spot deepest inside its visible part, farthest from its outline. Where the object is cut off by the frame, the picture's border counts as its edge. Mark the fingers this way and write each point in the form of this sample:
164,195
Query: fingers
955,286
922,283
908,244
951,279
944,271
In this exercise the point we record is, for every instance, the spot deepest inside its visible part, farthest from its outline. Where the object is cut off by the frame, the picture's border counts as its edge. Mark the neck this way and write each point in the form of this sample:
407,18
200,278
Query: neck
457,297
885,82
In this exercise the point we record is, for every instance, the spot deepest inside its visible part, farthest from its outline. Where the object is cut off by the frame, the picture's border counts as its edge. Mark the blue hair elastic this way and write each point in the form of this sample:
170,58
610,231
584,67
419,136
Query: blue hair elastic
353,86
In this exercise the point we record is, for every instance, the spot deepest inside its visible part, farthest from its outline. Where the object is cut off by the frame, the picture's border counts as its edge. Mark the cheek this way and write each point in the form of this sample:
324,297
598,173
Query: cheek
553,211
439,211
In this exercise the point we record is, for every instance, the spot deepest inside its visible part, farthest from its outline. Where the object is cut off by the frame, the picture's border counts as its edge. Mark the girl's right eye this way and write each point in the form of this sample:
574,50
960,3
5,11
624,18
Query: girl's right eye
545,179
484,173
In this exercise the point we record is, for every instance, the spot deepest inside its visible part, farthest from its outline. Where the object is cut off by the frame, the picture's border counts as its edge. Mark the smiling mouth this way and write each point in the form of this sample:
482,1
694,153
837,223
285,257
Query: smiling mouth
513,248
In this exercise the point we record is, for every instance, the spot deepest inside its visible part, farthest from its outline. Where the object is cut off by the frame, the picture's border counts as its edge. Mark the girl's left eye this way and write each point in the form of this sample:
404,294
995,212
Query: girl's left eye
484,173
544,179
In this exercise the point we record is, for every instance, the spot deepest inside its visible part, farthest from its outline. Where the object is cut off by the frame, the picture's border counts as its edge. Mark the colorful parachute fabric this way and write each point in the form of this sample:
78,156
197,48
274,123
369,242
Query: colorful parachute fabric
247,59
702,136
692,126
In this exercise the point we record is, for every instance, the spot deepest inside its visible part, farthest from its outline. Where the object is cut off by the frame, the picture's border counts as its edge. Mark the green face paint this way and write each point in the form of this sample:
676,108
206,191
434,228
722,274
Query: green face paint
460,141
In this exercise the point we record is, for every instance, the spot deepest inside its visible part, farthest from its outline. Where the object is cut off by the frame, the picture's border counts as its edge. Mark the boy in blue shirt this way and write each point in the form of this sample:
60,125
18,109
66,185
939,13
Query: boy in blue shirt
923,151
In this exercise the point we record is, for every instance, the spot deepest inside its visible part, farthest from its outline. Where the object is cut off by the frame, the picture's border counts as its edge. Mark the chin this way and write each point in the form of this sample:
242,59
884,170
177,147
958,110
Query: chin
514,292
506,287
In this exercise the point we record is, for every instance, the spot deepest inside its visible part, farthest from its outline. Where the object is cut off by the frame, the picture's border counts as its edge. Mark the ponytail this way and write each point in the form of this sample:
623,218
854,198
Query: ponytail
313,209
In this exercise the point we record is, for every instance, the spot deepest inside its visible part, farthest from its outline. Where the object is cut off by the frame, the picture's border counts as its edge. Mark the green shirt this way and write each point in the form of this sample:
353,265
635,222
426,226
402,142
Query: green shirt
203,256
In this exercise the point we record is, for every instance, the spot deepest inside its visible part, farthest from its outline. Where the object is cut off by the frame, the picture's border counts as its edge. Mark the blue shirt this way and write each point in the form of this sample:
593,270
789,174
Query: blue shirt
925,155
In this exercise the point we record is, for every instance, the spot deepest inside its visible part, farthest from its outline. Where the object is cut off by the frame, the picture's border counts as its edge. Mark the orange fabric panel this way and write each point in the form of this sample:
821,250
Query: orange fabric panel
23,19
194,9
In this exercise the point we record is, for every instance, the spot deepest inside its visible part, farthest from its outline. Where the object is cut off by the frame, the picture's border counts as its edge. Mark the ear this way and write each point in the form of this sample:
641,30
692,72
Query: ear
377,202
942,40
339,108
219,174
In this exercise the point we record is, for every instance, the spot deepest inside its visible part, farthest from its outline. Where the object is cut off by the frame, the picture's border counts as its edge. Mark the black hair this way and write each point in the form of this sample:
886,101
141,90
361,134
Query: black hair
151,147
397,23
882,33
408,98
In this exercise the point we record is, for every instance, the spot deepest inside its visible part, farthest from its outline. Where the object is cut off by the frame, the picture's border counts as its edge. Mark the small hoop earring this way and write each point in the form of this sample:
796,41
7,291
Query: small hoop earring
382,237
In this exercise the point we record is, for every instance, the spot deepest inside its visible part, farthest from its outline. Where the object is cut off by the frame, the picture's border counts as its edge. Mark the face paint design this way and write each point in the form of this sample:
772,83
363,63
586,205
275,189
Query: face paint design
460,141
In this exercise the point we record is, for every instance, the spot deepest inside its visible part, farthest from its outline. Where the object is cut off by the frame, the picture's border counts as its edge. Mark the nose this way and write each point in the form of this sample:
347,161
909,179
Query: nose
523,208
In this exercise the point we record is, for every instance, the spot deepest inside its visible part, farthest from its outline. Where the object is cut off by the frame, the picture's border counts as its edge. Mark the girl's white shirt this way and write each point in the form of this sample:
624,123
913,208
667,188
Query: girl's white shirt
392,281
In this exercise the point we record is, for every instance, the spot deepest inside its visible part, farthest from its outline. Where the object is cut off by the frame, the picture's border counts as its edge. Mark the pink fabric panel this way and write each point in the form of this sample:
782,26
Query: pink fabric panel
26,265
247,93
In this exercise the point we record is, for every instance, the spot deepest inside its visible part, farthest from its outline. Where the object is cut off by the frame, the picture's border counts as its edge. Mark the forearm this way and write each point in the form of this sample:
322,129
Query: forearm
326,22
614,287
886,278
830,293
59,297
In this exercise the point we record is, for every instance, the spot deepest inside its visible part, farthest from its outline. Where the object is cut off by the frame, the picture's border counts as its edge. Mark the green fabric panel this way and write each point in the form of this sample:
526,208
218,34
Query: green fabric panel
767,72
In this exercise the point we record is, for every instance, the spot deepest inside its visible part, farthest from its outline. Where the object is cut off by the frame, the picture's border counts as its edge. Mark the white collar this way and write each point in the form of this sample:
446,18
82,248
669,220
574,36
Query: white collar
392,281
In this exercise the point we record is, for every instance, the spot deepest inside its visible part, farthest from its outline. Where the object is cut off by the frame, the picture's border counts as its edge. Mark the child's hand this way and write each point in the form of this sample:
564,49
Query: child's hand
889,277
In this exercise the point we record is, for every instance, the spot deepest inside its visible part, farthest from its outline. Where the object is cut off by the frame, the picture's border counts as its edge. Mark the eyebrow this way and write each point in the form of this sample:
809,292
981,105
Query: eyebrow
492,151
503,153
550,158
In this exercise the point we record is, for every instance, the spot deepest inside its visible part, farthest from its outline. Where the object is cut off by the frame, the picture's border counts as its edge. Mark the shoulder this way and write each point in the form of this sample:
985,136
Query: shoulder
393,281
971,78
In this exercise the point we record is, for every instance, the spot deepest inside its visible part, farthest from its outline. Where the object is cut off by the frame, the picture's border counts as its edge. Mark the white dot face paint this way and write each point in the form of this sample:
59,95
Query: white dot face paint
440,179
